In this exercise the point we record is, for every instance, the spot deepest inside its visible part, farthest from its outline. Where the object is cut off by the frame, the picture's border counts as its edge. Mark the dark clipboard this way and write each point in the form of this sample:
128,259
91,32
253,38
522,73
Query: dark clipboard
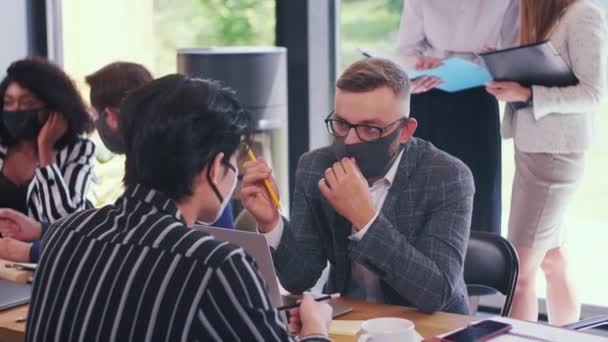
534,64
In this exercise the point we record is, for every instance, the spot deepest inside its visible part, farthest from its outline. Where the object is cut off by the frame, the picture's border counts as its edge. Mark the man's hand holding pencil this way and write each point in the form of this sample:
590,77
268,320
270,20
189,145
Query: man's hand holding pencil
260,194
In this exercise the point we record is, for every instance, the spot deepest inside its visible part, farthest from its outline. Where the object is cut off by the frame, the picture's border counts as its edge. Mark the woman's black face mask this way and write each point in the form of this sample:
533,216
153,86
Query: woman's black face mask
110,138
22,124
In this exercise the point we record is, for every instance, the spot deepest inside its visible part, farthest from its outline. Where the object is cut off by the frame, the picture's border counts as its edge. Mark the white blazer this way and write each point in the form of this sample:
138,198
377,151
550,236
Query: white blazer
561,119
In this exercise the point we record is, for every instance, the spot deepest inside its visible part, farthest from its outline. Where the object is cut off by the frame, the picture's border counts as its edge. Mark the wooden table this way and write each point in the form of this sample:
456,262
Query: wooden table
10,329
13,274
12,324
426,324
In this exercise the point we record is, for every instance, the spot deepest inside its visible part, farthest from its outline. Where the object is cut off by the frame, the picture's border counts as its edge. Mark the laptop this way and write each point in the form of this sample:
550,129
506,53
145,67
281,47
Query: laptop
13,294
255,244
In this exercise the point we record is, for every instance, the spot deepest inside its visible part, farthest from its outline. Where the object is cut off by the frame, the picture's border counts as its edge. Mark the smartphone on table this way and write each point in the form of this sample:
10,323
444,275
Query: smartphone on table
478,332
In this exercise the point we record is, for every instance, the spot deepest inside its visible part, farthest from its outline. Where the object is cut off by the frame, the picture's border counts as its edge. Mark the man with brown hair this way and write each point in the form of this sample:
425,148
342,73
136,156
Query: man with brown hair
389,212
109,86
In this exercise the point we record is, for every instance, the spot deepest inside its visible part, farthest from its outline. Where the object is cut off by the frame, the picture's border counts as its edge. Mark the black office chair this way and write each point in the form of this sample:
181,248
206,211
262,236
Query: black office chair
491,265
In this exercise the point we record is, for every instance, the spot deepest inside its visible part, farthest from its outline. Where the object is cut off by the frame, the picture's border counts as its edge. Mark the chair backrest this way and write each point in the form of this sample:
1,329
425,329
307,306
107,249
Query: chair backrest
492,262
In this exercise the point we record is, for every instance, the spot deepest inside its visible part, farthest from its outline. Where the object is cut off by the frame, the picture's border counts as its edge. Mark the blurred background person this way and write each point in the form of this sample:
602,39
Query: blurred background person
552,128
45,162
464,124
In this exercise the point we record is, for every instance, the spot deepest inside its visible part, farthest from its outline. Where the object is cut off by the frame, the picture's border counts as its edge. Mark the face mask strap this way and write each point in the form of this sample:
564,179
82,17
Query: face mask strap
213,187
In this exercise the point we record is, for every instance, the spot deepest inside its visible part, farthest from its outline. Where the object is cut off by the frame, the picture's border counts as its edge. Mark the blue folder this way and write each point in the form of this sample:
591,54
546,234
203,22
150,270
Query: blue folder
457,74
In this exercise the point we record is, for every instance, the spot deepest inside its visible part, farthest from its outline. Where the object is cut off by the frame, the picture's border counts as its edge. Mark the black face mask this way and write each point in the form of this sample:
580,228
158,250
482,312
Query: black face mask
109,137
373,158
23,124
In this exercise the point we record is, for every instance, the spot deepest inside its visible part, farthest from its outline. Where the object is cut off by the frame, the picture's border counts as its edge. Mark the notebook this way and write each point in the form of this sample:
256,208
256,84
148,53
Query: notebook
13,294
534,64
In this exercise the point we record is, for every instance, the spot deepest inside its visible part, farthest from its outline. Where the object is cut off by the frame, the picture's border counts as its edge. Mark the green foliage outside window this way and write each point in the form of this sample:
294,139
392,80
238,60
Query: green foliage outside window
372,24
200,23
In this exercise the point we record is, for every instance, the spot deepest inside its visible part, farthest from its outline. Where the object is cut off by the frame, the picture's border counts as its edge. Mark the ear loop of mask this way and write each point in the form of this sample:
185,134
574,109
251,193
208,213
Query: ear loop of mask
215,190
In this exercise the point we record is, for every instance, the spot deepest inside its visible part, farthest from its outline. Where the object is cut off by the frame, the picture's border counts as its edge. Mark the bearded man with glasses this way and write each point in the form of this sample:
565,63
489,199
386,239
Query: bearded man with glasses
389,212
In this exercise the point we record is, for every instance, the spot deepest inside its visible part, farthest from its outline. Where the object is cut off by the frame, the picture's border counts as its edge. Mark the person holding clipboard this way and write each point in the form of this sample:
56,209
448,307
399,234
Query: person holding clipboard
465,123
552,129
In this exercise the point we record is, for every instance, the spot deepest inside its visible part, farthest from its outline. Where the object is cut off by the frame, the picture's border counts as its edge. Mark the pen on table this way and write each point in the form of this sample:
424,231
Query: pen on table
320,299
266,182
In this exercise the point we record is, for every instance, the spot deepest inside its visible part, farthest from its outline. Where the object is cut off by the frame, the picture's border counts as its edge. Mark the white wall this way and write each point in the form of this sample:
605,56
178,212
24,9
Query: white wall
13,32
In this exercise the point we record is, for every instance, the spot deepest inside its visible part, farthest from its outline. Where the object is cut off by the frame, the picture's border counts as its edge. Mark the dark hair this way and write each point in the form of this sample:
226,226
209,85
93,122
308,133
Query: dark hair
54,88
175,125
371,73
110,84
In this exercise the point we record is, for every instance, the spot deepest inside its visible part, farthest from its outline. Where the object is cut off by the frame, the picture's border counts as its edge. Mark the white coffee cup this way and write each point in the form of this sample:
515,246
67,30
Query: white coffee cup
387,329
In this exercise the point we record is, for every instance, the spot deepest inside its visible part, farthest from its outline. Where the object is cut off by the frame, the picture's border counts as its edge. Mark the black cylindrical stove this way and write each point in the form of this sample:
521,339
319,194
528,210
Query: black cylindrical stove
259,76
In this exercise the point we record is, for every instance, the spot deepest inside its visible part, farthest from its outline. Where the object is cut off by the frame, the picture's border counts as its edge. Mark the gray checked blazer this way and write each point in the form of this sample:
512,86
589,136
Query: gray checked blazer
416,245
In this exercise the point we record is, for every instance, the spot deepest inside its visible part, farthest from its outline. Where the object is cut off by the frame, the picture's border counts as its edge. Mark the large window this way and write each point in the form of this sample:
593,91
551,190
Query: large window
374,24
371,24
194,23
149,32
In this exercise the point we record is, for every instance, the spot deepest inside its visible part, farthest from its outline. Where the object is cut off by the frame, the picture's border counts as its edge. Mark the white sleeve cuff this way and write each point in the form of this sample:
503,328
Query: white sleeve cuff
274,236
359,235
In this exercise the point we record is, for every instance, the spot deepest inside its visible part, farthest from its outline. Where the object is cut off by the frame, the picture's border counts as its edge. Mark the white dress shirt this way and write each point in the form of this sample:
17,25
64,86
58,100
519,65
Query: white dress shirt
364,284
443,29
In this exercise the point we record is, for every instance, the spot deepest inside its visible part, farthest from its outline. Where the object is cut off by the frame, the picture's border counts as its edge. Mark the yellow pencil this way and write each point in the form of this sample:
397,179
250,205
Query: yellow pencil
266,182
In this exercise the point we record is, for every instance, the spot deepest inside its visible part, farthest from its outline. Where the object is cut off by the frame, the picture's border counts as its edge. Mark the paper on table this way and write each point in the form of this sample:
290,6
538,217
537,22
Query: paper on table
457,73
351,328
341,327
542,331
529,331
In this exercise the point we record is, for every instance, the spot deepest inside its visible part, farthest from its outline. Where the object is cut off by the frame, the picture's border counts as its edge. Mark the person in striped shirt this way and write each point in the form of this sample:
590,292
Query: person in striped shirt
135,270
45,162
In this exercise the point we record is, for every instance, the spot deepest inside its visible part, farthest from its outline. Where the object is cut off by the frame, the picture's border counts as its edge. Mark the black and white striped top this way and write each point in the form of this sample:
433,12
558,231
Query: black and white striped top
133,271
60,188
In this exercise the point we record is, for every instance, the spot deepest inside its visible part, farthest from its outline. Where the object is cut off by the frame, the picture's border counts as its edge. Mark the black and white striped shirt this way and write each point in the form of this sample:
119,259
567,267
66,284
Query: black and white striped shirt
61,188
134,271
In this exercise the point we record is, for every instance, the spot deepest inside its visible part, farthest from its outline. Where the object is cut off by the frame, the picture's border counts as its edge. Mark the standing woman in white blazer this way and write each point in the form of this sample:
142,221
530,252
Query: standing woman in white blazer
552,128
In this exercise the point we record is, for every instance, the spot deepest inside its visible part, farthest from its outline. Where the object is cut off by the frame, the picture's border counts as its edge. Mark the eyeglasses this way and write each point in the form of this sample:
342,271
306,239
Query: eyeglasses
340,128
